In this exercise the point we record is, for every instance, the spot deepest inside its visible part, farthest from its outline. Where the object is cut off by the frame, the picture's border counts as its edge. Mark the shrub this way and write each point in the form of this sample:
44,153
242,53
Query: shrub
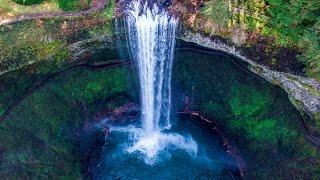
218,11
73,5
28,2
310,42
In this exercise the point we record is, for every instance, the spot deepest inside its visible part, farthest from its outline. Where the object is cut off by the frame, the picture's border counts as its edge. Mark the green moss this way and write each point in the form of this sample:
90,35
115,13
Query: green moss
15,85
250,108
54,62
214,109
96,86
41,134
265,132
269,132
106,29
36,139
31,50
247,101
27,43
33,41
255,115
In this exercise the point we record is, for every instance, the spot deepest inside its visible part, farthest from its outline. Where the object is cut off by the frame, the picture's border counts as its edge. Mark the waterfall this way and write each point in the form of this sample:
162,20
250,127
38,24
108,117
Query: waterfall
151,36
151,39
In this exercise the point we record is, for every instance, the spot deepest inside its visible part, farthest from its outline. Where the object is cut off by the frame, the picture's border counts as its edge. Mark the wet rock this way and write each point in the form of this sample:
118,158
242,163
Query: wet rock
129,109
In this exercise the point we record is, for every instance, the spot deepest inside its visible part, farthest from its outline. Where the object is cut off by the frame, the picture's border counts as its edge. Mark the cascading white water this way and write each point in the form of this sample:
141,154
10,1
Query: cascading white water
151,34
152,37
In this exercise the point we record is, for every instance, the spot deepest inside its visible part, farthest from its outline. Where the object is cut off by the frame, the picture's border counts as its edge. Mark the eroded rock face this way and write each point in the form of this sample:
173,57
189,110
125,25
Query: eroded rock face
54,42
304,93
97,47
90,47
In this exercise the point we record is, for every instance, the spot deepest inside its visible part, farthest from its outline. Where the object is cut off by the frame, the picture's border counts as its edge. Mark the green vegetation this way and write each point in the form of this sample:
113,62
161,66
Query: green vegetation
98,85
257,117
109,10
10,9
250,108
15,85
47,41
28,2
218,11
74,5
293,24
311,42
214,109
31,50
240,106
41,136
298,22
38,140
291,20
30,42
270,133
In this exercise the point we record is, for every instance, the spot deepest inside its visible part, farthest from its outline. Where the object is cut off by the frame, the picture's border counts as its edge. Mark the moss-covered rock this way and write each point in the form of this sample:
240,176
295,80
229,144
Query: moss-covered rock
255,116
304,91
54,40
41,135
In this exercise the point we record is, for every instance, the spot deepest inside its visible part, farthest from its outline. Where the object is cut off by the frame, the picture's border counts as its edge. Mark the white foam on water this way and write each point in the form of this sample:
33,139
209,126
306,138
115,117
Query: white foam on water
152,144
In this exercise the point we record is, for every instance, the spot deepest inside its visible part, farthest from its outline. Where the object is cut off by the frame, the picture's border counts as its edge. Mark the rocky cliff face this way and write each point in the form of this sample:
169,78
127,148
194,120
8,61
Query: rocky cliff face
304,93
243,30
59,42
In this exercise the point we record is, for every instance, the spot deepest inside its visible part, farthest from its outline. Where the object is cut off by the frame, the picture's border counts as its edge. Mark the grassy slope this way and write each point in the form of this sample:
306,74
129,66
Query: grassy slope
9,9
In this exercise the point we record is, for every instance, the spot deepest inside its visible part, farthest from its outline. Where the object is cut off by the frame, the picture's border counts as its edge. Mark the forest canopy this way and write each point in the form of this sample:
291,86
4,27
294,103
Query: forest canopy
293,24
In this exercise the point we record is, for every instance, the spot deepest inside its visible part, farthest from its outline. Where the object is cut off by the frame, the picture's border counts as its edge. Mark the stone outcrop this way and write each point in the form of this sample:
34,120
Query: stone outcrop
304,93
78,51
81,49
